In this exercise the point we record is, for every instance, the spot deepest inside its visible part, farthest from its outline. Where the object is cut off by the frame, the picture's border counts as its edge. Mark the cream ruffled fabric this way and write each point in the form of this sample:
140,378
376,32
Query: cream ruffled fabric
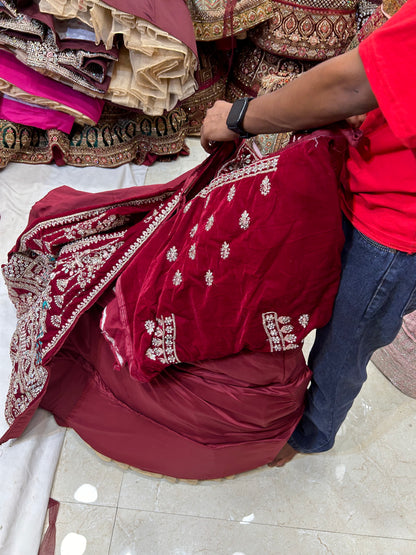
155,70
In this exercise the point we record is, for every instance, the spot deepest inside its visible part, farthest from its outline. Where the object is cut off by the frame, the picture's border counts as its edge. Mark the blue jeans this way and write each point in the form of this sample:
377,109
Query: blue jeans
378,287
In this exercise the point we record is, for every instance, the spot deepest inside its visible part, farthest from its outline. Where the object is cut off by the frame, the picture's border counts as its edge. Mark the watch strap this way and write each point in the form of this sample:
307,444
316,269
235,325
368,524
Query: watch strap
236,117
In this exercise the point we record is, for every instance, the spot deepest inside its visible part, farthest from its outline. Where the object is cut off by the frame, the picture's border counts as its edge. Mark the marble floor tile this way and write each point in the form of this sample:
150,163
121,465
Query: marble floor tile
83,529
363,486
83,477
143,533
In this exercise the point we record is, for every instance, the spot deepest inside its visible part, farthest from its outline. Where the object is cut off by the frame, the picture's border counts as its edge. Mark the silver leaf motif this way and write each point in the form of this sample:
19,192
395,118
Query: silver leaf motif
265,186
172,254
192,251
244,220
225,250
177,278
210,223
209,278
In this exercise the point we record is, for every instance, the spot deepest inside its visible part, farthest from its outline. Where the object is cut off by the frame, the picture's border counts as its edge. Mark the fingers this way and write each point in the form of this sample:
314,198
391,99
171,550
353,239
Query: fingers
208,145
214,128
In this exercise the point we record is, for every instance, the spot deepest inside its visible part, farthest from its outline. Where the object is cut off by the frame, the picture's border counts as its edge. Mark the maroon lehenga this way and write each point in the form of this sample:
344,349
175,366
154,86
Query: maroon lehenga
165,323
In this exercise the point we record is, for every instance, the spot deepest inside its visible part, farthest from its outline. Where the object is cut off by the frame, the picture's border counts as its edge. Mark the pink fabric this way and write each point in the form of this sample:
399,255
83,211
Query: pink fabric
397,360
35,116
36,84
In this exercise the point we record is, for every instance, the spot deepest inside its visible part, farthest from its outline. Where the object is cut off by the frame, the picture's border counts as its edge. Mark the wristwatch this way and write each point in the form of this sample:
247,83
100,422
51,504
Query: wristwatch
236,117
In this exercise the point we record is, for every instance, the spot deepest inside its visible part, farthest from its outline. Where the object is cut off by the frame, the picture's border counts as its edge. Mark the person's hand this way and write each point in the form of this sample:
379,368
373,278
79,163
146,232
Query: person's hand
214,127
356,121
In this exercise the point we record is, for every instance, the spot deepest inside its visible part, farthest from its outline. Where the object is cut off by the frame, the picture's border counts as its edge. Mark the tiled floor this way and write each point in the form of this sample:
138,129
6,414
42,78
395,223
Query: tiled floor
359,498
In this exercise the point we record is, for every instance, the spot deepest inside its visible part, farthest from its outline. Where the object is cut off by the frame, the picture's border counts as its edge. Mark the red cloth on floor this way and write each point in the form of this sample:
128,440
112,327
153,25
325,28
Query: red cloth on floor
206,421
257,244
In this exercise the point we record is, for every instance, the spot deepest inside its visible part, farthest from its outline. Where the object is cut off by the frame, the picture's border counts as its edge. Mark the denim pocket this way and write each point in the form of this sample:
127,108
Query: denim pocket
374,244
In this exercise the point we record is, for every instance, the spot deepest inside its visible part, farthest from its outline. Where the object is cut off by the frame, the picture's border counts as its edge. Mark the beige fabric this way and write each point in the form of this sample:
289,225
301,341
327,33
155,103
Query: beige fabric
155,70
19,94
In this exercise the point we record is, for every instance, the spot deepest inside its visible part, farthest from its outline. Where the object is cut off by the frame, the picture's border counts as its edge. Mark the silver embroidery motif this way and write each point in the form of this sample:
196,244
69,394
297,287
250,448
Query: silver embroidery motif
209,278
172,254
177,278
225,250
304,320
62,284
265,186
207,201
27,348
163,347
59,300
192,251
210,223
56,320
255,168
187,206
30,377
150,326
84,266
231,193
244,220
193,230
279,332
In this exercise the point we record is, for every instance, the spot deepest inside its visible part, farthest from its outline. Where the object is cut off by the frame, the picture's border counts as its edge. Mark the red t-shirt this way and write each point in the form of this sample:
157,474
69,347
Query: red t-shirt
379,196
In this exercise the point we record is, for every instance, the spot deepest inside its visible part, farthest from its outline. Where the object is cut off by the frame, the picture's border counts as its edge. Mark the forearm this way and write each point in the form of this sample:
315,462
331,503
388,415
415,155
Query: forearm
332,91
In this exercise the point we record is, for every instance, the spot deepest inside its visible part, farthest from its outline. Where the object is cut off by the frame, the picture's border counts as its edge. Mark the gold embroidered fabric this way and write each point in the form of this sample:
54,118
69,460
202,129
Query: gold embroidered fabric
211,77
23,96
365,9
121,136
154,71
376,20
308,30
34,44
252,65
379,16
390,7
268,143
224,18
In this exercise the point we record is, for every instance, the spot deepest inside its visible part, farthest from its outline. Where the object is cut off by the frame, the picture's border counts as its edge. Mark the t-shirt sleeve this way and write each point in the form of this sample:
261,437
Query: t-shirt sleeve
389,58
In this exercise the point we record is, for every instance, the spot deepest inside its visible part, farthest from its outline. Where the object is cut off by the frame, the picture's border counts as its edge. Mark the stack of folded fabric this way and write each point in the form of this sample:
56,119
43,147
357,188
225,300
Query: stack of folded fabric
94,83
88,82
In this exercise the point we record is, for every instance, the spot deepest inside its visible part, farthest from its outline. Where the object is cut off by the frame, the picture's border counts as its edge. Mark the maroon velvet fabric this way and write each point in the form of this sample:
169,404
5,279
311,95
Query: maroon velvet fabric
196,376
255,251
200,421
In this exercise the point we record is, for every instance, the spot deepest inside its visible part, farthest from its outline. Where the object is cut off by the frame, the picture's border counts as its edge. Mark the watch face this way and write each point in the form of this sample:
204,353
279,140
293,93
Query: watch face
236,115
